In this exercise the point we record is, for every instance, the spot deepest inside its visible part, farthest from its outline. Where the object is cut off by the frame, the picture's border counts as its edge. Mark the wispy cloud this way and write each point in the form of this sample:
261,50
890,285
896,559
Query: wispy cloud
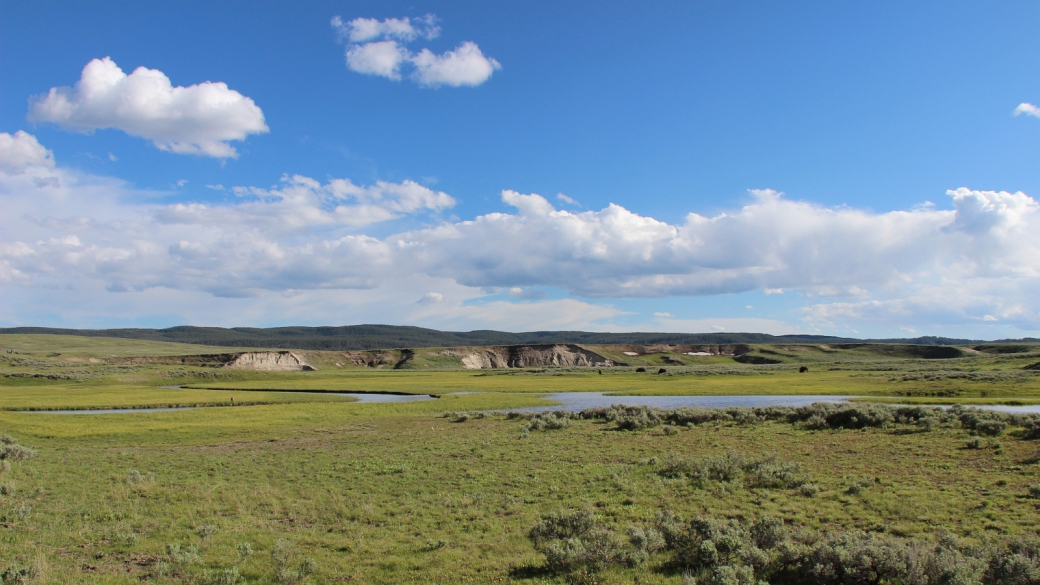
1027,109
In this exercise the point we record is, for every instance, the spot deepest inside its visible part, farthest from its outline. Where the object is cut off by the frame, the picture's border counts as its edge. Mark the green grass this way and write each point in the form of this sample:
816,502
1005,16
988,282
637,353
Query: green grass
395,493
366,489
70,346
93,396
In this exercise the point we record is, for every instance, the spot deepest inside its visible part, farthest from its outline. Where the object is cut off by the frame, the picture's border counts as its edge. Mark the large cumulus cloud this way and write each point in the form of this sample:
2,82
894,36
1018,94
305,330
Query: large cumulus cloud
199,119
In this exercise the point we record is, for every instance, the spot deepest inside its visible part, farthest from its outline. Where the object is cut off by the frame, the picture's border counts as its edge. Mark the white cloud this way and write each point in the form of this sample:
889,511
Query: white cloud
556,314
405,29
199,119
383,58
21,151
567,199
300,204
903,268
1027,109
374,47
431,298
529,293
663,315
466,65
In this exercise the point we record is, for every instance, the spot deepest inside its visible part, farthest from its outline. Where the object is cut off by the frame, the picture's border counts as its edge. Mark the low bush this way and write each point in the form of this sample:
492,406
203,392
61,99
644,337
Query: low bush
816,416
134,477
229,576
721,551
21,574
573,543
289,569
245,550
755,472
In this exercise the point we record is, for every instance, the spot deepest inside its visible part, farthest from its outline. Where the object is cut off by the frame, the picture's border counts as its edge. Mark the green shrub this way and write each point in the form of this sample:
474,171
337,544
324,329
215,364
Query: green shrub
574,544
735,551
134,477
205,530
646,539
229,576
990,428
594,551
21,574
816,423
245,550
731,575
857,557
288,568
1017,563
762,472
562,525
16,452
179,557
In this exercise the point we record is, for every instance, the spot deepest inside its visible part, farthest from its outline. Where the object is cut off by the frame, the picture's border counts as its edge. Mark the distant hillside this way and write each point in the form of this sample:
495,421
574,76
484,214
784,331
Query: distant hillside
354,337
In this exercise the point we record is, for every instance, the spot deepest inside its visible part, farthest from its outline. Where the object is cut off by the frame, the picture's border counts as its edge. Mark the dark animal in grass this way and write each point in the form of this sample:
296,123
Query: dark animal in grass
803,369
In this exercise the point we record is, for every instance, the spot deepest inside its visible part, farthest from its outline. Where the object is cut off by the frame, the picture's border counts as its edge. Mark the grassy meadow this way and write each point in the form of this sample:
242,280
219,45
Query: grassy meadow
292,487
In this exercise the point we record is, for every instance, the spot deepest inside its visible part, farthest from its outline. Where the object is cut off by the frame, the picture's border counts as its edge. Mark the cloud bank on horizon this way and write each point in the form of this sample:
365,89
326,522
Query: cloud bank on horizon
377,48
977,262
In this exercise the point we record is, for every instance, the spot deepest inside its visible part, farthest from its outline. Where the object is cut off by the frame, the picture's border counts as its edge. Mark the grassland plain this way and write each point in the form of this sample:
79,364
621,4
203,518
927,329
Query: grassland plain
397,493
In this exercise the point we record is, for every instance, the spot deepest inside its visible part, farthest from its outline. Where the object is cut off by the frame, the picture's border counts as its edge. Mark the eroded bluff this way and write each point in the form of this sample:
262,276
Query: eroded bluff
271,361
530,356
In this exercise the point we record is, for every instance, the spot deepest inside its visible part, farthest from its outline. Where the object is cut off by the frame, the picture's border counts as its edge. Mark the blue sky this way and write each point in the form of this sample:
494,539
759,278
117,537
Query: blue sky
815,142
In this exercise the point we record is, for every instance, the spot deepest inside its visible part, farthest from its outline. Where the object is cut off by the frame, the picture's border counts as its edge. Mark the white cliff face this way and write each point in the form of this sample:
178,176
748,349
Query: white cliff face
533,356
271,361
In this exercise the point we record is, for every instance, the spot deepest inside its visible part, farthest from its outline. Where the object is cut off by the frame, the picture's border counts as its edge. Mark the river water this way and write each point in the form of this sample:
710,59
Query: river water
575,401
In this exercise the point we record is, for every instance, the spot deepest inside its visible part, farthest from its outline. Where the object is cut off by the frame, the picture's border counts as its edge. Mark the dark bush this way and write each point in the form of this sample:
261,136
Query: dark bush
1016,563
717,550
990,428
572,542
562,525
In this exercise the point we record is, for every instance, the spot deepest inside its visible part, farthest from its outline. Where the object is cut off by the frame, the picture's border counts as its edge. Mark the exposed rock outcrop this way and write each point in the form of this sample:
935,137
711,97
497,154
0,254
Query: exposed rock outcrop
211,360
374,359
270,361
732,349
531,356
